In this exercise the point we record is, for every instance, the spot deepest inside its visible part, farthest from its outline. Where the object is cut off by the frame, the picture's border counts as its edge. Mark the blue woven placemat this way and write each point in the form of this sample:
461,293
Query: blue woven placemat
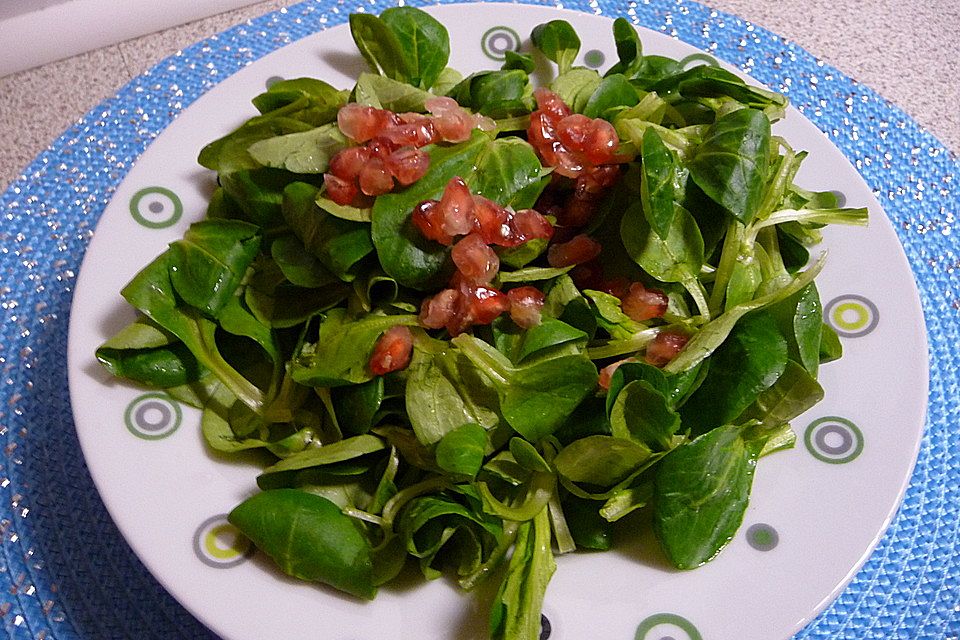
66,573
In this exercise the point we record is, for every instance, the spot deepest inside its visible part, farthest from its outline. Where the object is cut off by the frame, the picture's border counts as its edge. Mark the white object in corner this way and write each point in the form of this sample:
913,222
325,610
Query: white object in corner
53,31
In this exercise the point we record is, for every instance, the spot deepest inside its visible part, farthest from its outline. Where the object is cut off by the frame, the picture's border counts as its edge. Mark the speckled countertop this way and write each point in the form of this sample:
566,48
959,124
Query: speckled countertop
909,52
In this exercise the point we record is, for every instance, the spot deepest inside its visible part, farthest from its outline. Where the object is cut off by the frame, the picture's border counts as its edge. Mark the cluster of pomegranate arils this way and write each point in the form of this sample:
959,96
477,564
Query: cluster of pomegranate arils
474,224
389,153
585,150
580,149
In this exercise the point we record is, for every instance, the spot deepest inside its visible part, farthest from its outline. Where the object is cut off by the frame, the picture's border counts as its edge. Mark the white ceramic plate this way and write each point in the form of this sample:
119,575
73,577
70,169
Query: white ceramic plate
816,512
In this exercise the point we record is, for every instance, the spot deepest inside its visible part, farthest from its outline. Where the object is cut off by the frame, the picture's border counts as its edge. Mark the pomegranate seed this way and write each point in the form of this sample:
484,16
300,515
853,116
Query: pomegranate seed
602,142
606,374
408,117
554,210
347,163
550,104
454,127
593,182
643,304
392,351
540,132
374,178
525,305
439,310
485,304
407,165
462,318
665,347
476,261
571,143
341,191
414,134
542,136
440,105
380,147
563,234
453,123
577,212
492,222
457,309
456,207
566,163
528,224
618,287
427,219
588,276
582,248
359,122
574,131
484,123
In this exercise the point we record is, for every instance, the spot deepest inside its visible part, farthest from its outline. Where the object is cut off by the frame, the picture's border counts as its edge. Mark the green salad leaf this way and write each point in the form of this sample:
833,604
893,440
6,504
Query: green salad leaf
618,315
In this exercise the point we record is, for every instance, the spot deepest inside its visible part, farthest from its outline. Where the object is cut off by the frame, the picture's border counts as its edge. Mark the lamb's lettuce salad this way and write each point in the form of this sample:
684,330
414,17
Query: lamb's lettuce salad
473,324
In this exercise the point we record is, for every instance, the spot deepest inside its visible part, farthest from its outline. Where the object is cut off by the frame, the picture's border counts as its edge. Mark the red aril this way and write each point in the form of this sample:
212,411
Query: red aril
588,275
572,143
665,347
601,144
581,248
566,162
381,147
528,224
407,165
606,374
440,105
360,122
484,123
458,309
475,260
427,219
642,304
485,304
492,222
375,179
541,132
439,310
454,127
525,305
347,163
577,212
550,104
453,123
457,208
392,351
617,287
341,191
595,181
574,131
414,134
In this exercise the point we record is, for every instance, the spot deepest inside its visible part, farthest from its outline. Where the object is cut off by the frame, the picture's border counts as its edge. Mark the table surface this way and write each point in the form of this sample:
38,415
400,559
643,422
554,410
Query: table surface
908,52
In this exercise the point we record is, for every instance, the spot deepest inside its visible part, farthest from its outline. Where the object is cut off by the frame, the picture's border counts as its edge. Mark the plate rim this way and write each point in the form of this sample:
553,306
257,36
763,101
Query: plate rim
916,302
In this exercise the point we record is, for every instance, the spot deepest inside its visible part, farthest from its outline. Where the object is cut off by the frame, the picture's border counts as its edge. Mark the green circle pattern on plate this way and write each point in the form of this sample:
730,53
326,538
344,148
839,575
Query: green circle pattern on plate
762,537
664,626
220,545
152,416
852,316
594,58
156,207
834,439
